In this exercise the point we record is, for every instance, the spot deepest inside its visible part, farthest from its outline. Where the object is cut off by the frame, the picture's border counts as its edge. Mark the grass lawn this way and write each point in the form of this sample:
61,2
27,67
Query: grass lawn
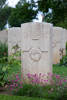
61,70
5,97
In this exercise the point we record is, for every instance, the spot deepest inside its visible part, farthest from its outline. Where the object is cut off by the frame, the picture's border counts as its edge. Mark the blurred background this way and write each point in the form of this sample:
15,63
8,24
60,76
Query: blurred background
15,12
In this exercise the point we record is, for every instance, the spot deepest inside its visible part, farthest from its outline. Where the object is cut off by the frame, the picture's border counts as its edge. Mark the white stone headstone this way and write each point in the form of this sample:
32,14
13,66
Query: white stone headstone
36,46
58,44
14,38
4,36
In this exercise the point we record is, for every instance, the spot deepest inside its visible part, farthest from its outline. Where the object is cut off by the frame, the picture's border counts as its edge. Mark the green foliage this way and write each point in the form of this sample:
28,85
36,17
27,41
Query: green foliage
9,65
31,2
52,91
66,48
34,91
58,16
22,14
44,5
2,2
48,92
4,15
30,91
63,61
63,96
3,72
3,62
14,63
3,50
62,24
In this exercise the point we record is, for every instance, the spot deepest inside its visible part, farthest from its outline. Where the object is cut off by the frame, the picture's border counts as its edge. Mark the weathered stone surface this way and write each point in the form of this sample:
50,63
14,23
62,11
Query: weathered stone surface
36,46
65,35
58,44
4,36
64,42
14,39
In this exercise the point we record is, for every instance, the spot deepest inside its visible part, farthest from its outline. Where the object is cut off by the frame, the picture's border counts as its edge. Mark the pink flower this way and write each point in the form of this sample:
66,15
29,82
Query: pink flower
45,80
57,76
21,87
50,74
65,80
29,75
12,80
11,85
20,82
16,80
17,76
60,83
11,89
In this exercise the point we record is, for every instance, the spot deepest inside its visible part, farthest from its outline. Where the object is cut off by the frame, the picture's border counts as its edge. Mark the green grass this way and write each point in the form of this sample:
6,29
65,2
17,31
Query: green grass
6,97
61,70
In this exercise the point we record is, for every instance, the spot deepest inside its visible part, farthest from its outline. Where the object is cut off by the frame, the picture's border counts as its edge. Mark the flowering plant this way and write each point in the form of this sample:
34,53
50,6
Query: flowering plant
56,83
15,84
52,87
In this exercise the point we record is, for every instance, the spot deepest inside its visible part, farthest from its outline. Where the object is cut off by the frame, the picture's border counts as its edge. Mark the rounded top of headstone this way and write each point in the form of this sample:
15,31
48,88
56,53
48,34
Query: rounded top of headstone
60,28
37,23
14,28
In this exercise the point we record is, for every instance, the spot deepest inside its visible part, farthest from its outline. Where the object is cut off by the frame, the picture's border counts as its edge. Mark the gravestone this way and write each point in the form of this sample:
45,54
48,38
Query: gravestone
36,47
4,36
66,35
58,44
14,39
64,41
